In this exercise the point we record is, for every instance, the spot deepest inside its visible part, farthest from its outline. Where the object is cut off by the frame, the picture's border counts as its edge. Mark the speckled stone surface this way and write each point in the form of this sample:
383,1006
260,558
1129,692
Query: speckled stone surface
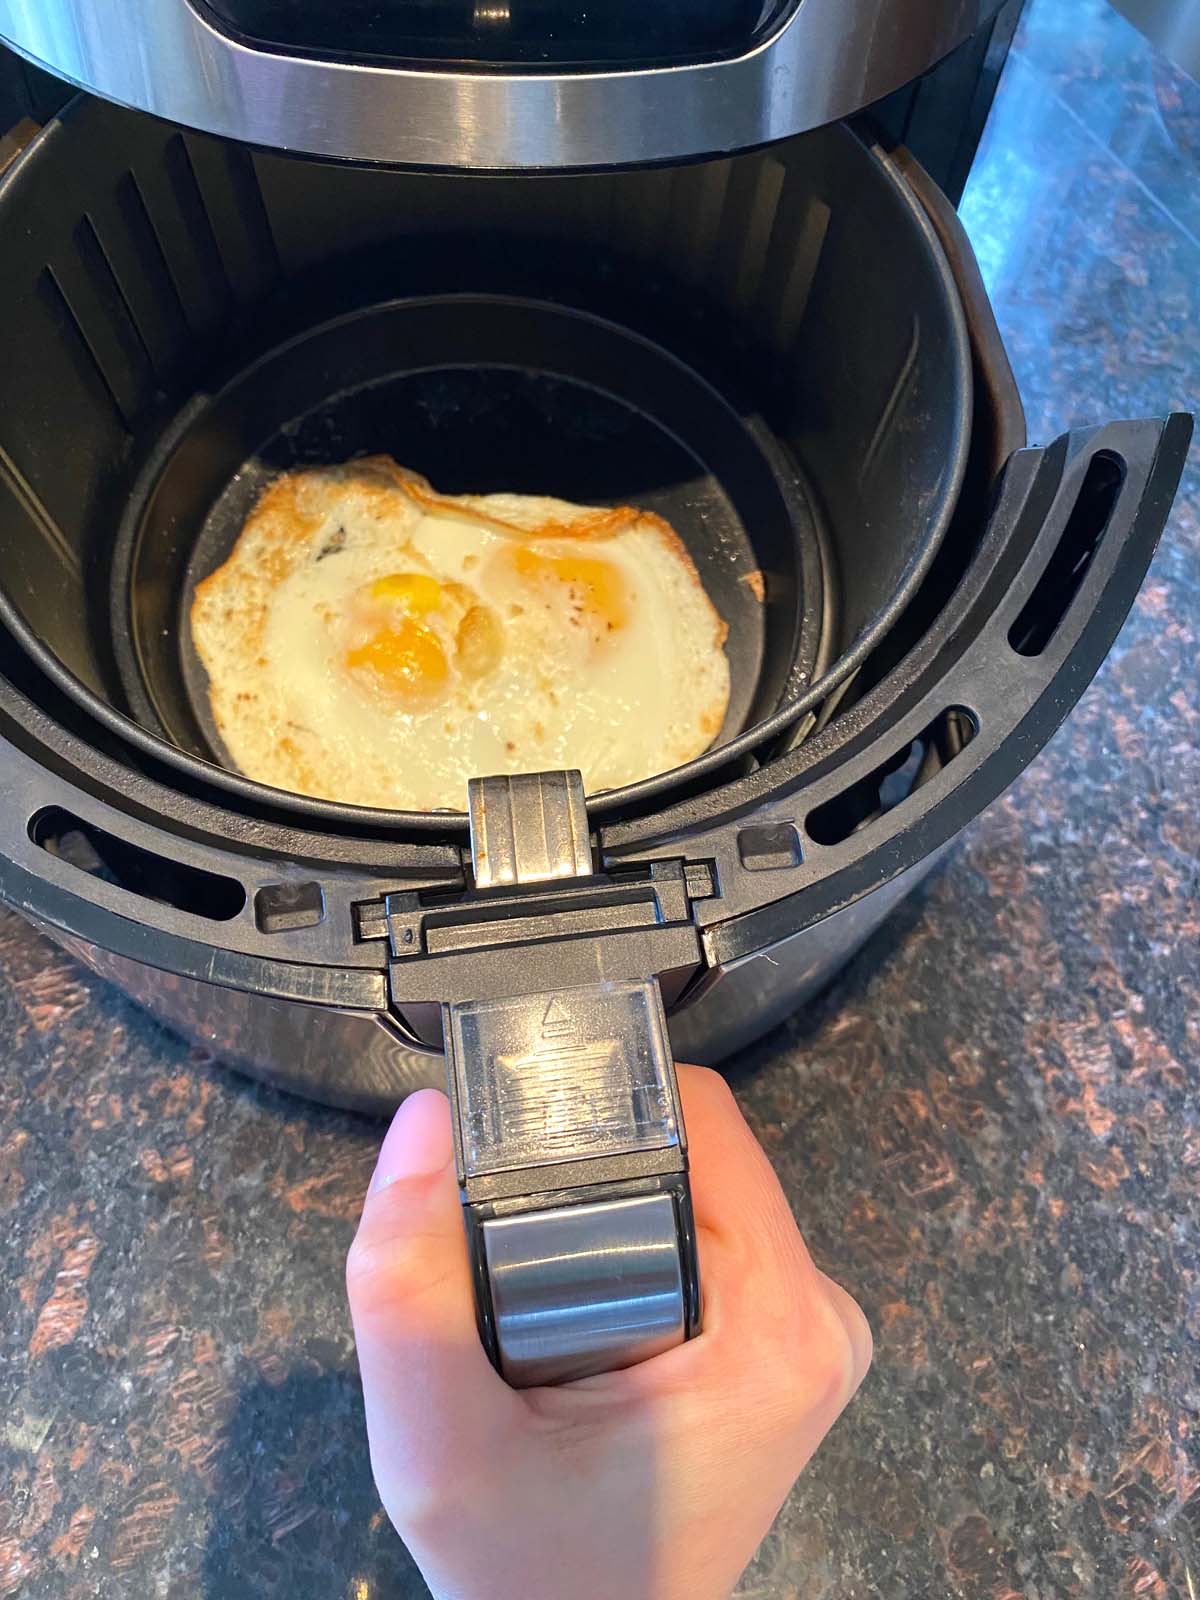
989,1127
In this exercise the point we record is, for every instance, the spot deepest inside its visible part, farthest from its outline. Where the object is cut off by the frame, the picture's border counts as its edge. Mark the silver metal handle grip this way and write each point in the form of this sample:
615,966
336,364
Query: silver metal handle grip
583,1289
570,1144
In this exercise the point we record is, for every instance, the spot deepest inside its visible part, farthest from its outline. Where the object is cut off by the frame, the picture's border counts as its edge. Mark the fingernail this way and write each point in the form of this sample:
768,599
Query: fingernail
418,1143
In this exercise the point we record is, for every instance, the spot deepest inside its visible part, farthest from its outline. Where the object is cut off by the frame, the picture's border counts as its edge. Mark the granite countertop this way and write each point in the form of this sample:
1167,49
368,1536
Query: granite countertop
989,1126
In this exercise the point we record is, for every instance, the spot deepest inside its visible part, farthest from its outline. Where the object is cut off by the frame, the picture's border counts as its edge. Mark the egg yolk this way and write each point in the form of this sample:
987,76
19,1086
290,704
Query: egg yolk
415,591
597,584
406,661
479,643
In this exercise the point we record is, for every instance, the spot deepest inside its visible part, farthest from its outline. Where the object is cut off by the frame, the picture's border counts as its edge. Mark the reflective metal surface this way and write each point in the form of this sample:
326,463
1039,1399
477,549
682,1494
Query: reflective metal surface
832,57
746,998
340,1058
585,1288
1172,25
528,828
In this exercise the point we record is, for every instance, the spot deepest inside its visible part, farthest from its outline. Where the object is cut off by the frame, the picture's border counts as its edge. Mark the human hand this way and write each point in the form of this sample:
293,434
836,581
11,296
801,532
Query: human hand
655,1483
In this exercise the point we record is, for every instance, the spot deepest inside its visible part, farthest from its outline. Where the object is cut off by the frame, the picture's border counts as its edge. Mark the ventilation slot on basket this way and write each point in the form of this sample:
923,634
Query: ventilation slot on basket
146,278
893,781
1067,567
175,208
84,348
89,849
107,322
229,191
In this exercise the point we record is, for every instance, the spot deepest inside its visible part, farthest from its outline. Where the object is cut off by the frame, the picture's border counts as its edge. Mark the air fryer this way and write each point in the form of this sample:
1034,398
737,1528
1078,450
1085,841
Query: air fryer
787,352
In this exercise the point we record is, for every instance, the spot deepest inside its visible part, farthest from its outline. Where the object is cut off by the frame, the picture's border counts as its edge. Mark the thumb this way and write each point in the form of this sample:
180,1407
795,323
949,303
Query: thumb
432,1398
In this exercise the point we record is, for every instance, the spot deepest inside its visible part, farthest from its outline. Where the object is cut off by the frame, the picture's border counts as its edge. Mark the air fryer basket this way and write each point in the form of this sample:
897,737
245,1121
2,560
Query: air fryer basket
781,371
789,353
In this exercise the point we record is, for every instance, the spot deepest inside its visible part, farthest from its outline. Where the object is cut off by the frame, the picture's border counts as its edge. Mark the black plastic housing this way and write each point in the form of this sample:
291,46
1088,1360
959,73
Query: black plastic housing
535,33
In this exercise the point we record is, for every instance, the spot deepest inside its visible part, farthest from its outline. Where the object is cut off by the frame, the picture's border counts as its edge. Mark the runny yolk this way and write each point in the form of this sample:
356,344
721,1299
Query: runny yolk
598,585
405,661
415,591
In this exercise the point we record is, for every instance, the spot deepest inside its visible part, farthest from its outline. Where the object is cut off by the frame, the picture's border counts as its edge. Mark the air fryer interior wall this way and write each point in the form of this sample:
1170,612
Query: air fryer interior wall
184,318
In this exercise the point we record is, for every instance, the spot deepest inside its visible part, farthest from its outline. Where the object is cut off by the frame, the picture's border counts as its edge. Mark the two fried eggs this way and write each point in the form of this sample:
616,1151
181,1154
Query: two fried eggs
371,641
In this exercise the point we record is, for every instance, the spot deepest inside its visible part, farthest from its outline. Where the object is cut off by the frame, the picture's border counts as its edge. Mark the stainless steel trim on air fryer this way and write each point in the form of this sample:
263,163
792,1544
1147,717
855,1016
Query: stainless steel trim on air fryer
1172,25
829,59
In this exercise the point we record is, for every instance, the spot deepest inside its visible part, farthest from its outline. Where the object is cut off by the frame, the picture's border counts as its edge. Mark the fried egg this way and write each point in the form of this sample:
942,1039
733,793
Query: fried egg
371,641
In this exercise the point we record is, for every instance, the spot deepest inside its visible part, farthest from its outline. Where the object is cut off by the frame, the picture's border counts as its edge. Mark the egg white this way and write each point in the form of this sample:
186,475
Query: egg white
619,672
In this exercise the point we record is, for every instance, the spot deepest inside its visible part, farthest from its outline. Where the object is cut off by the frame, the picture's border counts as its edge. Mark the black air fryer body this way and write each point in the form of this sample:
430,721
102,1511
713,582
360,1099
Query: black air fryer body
787,352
